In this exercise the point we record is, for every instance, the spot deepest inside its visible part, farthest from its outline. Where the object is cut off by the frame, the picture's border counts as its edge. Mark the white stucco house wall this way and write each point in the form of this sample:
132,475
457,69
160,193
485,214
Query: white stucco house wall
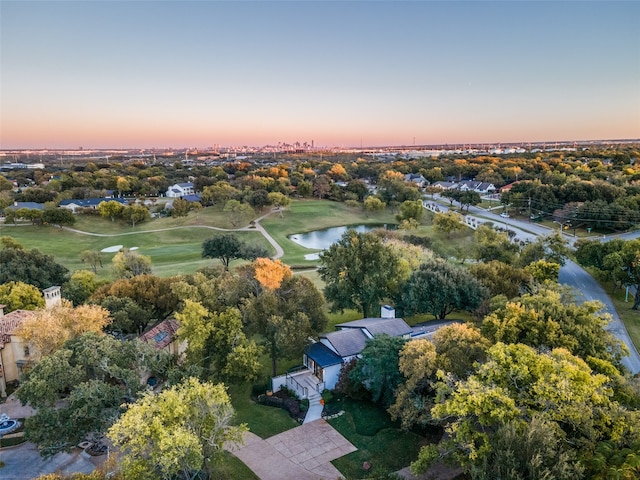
15,353
323,359
180,190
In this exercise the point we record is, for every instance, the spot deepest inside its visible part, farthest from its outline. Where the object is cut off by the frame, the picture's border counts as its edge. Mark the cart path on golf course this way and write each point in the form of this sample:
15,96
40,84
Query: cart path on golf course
255,227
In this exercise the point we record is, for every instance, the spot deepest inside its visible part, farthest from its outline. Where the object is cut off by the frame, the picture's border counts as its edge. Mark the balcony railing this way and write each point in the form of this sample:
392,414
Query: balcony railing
296,386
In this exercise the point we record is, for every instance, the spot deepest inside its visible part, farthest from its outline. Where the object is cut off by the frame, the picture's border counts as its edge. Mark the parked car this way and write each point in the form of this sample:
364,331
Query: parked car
504,215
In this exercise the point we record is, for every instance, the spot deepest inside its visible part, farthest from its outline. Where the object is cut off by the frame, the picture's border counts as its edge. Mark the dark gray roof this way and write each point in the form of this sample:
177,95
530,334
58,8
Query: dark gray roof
322,355
346,342
394,327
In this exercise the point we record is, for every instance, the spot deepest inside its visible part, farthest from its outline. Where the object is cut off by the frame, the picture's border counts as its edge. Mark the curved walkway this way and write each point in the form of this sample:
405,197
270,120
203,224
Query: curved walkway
256,227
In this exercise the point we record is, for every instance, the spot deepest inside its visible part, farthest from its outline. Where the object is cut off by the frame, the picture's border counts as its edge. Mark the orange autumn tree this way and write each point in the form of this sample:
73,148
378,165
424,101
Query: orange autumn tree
271,273
47,330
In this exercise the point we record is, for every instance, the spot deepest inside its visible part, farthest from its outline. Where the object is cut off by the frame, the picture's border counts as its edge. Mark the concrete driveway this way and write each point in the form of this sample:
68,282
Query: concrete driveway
303,453
23,462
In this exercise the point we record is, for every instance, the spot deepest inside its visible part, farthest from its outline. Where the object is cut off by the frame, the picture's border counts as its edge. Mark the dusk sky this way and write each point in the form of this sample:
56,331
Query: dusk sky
127,74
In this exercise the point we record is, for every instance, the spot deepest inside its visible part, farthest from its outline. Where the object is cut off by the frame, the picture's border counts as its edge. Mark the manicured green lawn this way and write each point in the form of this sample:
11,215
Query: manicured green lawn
172,252
178,249
231,467
262,420
630,318
379,441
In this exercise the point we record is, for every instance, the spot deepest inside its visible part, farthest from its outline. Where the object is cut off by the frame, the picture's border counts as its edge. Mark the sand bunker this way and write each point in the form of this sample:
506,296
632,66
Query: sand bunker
115,248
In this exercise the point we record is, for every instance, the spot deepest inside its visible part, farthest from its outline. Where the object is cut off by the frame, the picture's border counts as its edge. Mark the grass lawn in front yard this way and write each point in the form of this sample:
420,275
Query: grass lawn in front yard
231,467
262,420
379,441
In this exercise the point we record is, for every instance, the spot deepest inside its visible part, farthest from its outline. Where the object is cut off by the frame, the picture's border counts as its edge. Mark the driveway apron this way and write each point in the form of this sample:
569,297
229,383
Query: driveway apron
303,453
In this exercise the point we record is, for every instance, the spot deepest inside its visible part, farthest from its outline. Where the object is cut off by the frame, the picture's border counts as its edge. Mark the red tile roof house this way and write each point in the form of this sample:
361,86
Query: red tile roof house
163,337
14,352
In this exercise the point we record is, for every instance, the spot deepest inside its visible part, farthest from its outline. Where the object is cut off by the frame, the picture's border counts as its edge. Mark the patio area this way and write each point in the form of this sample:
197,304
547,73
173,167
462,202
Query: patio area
303,453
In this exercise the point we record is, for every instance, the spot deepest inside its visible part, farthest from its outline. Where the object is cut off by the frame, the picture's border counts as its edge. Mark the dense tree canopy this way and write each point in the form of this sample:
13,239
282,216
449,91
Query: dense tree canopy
20,296
32,267
47,330
360,272
127,316
501,278
217,344
152,293
513,390
617,261
493,245
80,286
94,373
227,247
176,433
285,316
439,288
550,318
378,368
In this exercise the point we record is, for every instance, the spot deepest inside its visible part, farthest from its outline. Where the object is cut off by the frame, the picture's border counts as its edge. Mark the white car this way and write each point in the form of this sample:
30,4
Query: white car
504,215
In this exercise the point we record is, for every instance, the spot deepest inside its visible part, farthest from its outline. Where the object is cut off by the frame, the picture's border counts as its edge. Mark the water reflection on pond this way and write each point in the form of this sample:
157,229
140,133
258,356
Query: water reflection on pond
323,239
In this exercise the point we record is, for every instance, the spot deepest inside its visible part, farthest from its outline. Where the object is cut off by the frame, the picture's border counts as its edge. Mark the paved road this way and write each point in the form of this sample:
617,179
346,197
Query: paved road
575,276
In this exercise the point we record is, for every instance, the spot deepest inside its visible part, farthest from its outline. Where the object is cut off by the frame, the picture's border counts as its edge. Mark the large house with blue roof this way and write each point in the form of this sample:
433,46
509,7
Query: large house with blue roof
78,204
323,359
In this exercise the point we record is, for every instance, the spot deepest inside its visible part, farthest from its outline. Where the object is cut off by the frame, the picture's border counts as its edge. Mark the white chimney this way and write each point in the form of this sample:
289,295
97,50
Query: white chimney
387,311
52,297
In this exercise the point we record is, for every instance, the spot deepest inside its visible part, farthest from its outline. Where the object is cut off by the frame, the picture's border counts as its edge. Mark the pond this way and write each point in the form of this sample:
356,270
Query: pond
323,239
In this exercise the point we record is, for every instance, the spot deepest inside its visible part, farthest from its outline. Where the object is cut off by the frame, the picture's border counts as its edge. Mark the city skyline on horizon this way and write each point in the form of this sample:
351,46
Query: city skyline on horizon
343,74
